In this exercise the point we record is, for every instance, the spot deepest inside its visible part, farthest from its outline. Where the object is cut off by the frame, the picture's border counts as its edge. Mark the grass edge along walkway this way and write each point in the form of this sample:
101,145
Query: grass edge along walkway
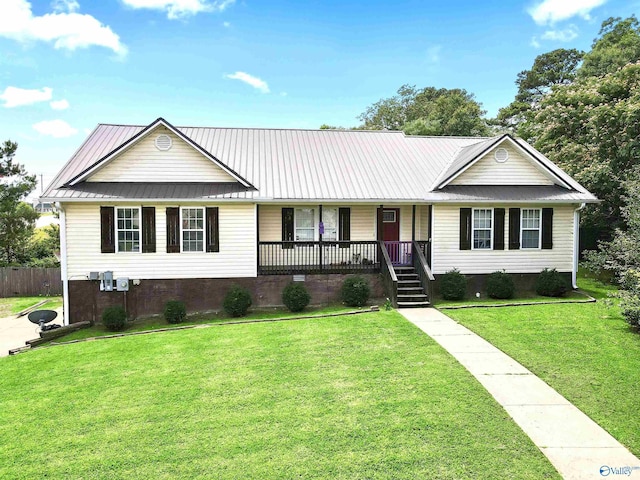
576,445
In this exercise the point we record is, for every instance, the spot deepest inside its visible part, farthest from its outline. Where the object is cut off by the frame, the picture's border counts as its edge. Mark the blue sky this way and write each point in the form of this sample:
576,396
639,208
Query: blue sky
67,65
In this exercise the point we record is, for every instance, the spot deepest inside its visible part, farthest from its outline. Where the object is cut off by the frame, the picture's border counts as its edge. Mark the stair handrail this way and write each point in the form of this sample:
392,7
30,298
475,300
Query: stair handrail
423,270
389,276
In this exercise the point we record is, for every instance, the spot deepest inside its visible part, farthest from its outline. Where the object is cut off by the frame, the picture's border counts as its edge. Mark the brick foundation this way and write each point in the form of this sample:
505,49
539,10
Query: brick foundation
202,294
478,282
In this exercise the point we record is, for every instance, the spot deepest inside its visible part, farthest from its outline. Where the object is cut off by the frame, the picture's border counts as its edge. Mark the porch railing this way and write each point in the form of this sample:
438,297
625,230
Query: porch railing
422,268
286,258
399,252
389,278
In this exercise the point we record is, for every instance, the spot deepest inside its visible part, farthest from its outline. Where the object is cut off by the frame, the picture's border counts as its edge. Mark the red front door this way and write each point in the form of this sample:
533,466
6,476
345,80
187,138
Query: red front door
391,224
391,233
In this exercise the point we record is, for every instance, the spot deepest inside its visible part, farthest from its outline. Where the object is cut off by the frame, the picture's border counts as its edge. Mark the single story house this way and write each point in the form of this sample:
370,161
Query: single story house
157,212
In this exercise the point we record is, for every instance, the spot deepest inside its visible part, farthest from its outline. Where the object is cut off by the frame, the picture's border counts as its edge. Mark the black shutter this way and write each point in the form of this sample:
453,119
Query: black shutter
547,228
173,230
465,229
344,222
514,228
148,229
498,228
107,230
287,227
213,238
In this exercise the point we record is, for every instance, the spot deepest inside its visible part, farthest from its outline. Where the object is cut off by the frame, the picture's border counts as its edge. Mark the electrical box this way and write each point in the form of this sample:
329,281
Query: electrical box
107,281
122,284
94,275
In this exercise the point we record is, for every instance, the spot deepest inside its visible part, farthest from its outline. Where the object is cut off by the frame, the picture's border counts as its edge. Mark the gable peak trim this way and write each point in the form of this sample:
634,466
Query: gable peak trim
498,141
144,133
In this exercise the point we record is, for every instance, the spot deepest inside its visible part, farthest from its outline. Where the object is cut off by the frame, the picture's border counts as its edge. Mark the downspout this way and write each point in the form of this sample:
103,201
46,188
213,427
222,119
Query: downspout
576,245
63,264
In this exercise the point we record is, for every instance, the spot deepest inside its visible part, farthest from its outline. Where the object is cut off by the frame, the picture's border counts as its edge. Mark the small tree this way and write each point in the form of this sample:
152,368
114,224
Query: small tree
17,219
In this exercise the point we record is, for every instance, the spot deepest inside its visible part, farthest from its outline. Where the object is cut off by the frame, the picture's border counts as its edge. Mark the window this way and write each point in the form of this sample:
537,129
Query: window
330,221
530,228
192,221
482,223
388,216
128,229
305,225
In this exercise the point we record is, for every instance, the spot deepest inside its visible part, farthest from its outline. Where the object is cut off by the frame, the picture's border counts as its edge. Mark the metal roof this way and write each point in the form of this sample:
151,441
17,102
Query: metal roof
508,194
296,165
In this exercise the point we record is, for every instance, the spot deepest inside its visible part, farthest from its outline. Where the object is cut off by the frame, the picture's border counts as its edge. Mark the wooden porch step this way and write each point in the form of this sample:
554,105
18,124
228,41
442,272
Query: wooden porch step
403,268
407,276
404,289
413,298
409,283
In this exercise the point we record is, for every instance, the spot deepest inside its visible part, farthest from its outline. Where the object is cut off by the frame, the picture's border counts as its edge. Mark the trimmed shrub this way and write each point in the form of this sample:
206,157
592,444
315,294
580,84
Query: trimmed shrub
175,311
355,291
500,285
551,283
237,301
453,285
114,318
295,296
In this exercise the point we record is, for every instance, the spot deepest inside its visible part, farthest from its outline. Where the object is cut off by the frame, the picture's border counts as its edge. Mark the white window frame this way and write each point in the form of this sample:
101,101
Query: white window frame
118,230
395,215
522,229
474,229
204,229
315,223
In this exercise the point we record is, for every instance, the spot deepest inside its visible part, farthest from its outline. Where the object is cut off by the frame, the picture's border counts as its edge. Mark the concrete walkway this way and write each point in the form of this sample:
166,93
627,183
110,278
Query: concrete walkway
576,446
14,332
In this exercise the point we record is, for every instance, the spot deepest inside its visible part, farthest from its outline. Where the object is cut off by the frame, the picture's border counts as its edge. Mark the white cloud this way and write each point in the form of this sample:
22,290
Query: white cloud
55,128
16,97
181,8
534,42
66,29
59,104
65,6
433,53
226,24
565,35
551,11
255,82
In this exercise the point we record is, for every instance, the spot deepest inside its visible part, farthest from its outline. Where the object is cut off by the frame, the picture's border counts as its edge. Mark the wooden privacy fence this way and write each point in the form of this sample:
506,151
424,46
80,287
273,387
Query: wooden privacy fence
29,282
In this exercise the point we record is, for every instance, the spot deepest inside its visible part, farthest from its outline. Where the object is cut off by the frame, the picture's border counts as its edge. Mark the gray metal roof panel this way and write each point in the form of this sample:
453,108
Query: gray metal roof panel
509,193
298,164
153,190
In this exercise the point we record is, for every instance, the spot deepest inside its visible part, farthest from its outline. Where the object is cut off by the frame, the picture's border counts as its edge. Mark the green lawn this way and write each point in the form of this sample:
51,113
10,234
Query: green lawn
521,297
585,351
157,322
14,305
365,396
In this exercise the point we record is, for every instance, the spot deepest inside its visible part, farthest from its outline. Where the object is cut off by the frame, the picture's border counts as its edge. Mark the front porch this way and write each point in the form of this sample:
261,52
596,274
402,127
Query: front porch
323,239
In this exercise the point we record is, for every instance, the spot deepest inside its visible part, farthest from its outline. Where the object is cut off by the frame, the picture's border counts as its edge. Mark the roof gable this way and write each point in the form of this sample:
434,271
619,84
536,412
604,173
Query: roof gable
477,165
124,164
143,161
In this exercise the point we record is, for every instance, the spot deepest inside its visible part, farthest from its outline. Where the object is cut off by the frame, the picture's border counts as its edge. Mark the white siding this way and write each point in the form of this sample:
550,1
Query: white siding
236,258
447,253
517,170
144,162
363,221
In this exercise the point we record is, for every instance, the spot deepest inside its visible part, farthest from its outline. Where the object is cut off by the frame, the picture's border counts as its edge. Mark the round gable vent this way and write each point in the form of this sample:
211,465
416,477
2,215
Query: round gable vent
163,142
501,155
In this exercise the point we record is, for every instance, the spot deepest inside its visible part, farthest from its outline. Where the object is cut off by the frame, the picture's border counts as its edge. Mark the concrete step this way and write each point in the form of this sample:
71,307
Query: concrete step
413,304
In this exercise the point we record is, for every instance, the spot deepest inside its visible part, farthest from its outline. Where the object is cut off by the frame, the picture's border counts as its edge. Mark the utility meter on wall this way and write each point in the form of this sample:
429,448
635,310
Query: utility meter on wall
122,284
